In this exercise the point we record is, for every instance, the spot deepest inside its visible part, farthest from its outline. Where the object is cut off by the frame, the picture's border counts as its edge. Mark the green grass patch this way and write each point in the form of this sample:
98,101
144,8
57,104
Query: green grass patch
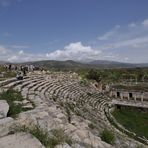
2,79
108,136
10,74
10,96
133,120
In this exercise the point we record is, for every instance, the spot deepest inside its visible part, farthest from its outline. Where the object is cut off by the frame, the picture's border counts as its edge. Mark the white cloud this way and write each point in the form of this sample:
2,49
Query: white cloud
106,35
3,50
132,25
109,34
130,42
126,44
75,51
21,52
145,23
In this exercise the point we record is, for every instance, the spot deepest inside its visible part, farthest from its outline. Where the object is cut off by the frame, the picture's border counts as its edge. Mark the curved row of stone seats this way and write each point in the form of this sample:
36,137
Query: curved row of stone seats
29,81
13,82
36,87
55,89
76,95
69,91
44,88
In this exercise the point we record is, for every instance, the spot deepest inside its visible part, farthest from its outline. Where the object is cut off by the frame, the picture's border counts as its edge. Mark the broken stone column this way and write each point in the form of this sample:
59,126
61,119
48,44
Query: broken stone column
128,97
121,95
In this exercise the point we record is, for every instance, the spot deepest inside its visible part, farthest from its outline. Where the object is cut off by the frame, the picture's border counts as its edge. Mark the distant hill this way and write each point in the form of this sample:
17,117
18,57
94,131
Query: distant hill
69,64
52,64
4,62
114,64
111,64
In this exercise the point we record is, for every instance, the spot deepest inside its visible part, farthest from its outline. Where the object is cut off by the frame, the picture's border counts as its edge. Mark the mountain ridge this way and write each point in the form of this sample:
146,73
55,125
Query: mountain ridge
70,64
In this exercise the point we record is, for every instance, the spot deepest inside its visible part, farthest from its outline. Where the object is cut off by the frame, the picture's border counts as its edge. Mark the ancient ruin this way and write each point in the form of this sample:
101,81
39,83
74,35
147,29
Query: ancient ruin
62,101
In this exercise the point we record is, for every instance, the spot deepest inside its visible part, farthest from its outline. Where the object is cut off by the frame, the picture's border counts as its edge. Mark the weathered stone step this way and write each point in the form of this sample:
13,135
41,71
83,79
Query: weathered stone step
20,140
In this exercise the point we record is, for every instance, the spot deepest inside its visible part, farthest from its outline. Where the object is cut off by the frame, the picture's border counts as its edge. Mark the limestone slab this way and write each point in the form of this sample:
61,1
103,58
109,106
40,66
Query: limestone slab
4,108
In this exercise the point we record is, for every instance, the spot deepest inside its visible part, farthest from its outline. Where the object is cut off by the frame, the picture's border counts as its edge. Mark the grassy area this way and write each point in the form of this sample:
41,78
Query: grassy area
108,136
56,137
7,74
10,96
133,120
2,79
10,74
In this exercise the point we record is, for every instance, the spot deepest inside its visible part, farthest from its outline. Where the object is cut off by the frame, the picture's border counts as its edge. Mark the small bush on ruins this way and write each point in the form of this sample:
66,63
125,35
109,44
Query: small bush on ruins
140,146
60,137
108,136
84,82
91,126
49,140
10,96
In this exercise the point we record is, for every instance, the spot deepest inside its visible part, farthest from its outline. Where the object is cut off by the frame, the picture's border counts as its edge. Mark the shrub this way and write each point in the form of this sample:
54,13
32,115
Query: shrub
139,146
60,137
10,96
84,82
108,136
56,137
91,125
93,75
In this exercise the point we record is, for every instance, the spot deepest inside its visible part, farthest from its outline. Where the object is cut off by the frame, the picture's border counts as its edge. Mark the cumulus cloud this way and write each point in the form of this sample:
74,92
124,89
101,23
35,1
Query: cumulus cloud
75,51
122,43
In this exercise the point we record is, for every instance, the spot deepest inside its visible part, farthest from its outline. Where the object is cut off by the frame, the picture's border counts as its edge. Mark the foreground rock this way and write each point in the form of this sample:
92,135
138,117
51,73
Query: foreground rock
52,117
6,125
20,140
4,108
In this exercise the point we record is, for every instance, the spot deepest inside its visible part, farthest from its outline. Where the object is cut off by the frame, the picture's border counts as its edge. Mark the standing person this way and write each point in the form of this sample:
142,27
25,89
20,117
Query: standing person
10,67
24,71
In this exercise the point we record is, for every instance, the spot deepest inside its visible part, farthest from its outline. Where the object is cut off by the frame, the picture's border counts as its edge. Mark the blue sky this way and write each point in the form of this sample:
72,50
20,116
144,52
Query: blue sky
80,30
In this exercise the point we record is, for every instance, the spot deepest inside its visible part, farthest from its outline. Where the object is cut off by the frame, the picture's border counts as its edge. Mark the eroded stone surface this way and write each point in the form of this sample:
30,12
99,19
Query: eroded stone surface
20,140
6,125
4,108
